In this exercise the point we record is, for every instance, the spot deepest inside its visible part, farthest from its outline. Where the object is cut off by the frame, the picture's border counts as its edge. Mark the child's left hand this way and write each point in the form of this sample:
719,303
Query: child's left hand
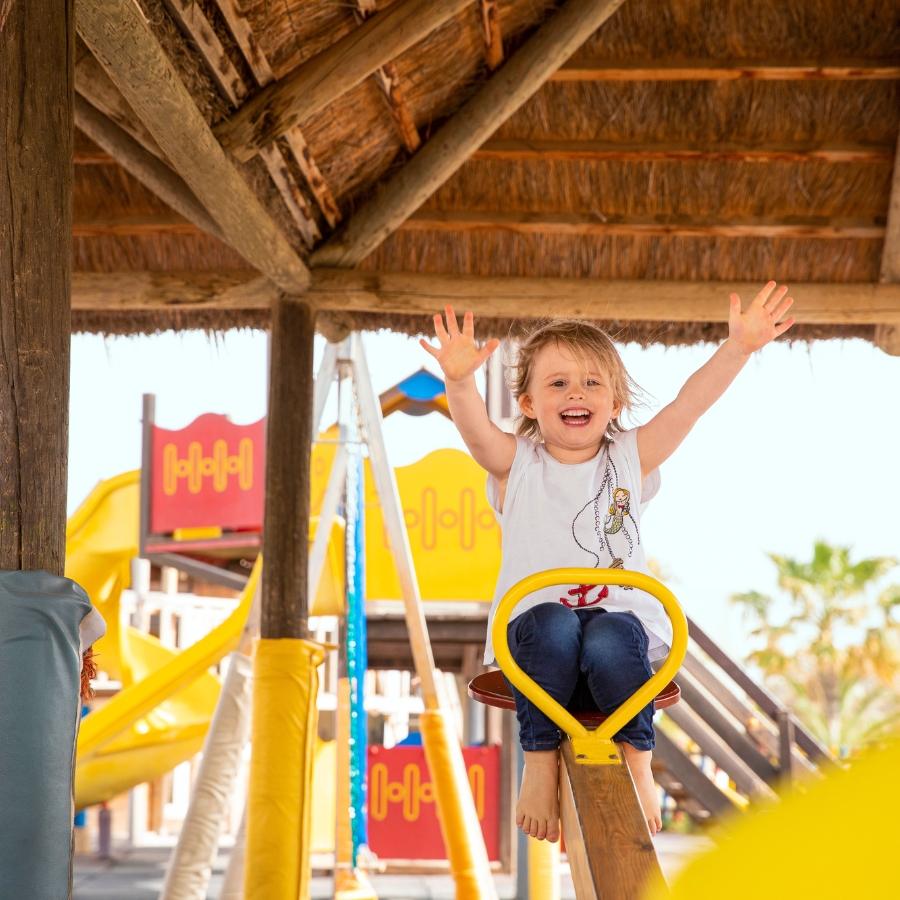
760,323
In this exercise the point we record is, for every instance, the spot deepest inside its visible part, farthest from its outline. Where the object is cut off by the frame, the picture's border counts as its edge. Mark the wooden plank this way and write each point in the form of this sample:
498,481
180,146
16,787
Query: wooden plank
715,747
887,336
131,291
36,47
388,80
120,38
705,70
92,82
759,695
285,601
600,151
654,301
609,846
141,225
719,722
592,224
294,140
142,165
519,79
691,779
498,297
327,76
492,33
197,26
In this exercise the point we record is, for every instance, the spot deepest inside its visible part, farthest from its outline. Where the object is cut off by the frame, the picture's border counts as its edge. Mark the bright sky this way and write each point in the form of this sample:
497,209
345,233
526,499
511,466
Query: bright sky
803,445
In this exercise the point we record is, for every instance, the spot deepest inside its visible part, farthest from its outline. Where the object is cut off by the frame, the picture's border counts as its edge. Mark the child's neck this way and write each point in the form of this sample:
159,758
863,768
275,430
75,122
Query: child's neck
570,457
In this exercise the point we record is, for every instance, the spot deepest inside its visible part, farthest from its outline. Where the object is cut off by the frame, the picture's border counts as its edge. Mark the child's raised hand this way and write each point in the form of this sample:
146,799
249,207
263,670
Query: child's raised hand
459,354
761,322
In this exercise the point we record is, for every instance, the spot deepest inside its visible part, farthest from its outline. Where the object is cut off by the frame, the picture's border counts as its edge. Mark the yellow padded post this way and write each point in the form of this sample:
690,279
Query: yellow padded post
285,685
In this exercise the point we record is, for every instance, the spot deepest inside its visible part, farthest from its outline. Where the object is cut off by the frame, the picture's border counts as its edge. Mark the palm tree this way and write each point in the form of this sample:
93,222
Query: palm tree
834,655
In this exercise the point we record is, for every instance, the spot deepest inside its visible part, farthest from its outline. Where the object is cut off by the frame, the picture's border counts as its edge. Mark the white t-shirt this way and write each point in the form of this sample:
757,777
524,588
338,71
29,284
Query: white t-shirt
585,514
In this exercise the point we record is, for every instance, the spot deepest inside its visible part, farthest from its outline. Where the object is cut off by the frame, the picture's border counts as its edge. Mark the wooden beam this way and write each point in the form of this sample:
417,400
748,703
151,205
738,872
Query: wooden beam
705,70
519,79
142,165
36,46
120,38
587,224
324,78
339,290
92,83
601,151
887,336
388,80
197,26
609,845
492,33
159,291
294,141
285,604
132,225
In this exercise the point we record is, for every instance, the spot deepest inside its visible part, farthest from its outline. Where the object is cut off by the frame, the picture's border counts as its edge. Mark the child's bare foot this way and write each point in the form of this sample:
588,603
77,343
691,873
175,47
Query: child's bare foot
537,812
639,765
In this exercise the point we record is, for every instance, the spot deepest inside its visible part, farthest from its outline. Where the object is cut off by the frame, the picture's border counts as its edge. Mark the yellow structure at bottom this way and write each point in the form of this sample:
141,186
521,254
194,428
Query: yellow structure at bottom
543,869
459,822
285,685
833,839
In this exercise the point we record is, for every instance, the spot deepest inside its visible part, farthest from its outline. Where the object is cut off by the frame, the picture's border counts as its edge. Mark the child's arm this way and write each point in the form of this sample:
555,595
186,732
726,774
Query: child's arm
459,357
747,332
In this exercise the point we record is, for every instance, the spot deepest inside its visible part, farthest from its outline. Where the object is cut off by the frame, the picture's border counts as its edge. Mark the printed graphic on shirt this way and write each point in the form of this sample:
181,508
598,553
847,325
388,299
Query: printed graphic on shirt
605,529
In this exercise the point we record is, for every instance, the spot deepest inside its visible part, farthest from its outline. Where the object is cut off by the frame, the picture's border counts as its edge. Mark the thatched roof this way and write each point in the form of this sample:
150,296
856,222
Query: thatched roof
769,153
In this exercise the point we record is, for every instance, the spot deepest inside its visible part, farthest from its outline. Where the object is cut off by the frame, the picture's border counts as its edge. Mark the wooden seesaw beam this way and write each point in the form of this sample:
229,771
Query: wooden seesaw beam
609,846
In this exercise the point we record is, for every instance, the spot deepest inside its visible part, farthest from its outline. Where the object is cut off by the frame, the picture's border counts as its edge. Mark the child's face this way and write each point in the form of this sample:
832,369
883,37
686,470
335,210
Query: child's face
571,398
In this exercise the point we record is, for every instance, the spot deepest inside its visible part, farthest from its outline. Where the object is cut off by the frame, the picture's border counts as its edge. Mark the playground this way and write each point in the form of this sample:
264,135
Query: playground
253,666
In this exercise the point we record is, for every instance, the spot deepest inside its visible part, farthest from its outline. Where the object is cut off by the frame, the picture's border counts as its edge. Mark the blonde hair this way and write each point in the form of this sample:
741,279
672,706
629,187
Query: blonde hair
582,339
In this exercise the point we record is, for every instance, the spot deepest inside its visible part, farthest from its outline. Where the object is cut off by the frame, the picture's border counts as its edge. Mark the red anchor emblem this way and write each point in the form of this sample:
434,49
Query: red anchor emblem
581,592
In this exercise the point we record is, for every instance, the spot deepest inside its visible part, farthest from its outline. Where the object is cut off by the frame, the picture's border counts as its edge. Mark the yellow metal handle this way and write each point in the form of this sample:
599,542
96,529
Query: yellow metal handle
590,746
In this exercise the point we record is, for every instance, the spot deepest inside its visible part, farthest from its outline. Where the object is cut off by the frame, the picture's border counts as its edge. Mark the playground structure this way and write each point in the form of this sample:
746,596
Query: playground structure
104,537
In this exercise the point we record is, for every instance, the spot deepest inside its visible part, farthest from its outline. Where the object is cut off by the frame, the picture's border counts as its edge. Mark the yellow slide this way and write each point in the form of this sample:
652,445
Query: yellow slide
160,717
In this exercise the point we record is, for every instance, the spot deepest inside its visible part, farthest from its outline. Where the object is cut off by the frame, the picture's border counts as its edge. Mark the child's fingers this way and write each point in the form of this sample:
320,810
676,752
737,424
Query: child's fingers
779,311
439,329
775,298
468,328
763,295
452,324
783,327
426,346
488,348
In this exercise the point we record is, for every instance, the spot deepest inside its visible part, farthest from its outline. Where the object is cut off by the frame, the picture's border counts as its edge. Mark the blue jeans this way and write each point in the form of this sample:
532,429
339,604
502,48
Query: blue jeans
586,659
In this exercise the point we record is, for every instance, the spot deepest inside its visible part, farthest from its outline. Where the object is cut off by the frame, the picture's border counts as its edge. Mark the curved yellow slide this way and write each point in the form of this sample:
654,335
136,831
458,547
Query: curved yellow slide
160,717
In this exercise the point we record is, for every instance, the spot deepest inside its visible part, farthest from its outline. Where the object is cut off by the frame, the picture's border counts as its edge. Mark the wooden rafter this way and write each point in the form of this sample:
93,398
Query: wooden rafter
492,33
704,70
142,165
132,225
887,336
121,40
509,87
597,224
197,26
293,140
389,81
501,297
553,150
317,82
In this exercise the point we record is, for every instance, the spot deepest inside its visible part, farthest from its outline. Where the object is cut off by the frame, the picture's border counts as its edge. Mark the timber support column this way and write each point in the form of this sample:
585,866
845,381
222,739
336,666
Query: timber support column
40,612
285,680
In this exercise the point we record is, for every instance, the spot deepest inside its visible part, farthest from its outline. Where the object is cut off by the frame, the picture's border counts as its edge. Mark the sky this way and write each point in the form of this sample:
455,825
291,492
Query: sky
802,446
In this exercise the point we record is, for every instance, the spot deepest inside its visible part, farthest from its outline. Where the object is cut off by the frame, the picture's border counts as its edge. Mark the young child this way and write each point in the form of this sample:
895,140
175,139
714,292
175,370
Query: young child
568,491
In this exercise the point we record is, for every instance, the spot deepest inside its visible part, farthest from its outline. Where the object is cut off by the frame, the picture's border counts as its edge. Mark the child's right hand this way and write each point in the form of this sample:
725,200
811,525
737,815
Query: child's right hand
459,355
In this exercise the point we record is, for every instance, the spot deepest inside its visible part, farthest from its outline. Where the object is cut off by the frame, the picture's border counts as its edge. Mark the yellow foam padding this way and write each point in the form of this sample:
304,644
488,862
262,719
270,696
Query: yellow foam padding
285,685
323,822
543,869
836,838
456,809
343,846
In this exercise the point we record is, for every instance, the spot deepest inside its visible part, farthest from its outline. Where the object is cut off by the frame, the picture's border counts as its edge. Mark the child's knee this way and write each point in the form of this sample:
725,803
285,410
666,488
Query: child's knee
550,625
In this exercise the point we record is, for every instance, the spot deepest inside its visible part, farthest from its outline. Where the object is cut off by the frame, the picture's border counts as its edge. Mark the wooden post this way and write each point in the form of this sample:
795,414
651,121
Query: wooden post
785,746
36,75
285,601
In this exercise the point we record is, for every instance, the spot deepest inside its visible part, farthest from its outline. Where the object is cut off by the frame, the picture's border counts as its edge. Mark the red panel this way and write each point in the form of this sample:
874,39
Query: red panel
210,473
403,823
